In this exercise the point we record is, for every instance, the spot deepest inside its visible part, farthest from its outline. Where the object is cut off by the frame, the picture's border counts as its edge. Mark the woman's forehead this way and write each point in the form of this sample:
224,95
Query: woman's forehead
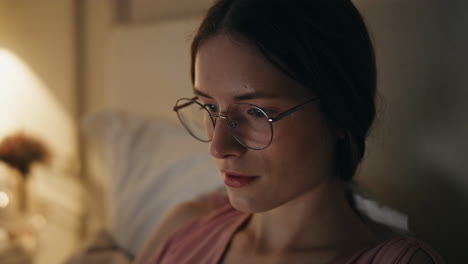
227,66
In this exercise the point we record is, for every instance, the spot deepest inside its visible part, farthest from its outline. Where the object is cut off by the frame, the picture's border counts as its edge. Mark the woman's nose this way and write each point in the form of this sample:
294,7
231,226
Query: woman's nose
223,144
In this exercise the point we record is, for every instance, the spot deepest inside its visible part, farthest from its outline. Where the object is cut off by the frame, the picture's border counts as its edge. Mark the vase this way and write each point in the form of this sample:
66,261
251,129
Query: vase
19,226
23,197
9,190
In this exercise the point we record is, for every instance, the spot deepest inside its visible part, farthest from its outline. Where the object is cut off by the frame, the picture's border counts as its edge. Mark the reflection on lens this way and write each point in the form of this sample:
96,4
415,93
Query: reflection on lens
252,127
194,118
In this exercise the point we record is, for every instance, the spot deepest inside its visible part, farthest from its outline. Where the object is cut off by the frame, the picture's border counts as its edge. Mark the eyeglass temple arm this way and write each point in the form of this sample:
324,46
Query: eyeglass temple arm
177,107
292,110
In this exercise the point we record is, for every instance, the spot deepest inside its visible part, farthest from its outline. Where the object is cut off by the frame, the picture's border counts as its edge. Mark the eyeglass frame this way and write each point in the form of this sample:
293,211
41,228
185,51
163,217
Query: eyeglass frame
213,117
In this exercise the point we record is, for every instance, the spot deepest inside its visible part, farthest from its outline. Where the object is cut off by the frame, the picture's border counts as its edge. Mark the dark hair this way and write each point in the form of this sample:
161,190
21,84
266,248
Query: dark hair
322,44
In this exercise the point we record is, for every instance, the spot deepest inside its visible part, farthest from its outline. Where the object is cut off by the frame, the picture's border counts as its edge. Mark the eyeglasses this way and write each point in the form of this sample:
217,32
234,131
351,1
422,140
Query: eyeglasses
249,124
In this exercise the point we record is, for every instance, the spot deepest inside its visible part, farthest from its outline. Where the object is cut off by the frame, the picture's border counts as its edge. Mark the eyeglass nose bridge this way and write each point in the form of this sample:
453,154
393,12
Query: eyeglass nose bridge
215,117
219,116
231,124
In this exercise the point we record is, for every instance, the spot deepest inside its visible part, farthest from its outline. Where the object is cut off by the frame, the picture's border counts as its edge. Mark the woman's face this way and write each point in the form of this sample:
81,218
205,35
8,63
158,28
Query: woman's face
300,156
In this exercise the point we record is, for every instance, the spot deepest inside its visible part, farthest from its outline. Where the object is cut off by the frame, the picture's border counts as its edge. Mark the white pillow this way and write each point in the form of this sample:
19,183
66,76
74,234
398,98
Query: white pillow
153,165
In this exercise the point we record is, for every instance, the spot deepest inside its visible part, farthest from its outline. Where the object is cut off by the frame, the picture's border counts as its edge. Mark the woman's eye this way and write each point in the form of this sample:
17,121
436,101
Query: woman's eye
213,108
256,112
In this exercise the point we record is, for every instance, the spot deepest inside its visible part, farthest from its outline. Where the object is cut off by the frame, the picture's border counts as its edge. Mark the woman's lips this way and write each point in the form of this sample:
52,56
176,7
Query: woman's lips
236,180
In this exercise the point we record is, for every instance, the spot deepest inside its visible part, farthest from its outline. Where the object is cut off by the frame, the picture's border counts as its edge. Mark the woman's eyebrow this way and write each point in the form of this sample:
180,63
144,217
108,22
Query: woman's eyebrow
254,95
241,97
200,93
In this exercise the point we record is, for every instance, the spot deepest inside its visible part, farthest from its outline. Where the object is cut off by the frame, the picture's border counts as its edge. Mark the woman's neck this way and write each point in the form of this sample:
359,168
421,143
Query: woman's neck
319,219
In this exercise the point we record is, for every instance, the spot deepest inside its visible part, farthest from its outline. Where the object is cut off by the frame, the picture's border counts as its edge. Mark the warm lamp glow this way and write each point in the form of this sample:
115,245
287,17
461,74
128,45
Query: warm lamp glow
28,105
9,69
4,199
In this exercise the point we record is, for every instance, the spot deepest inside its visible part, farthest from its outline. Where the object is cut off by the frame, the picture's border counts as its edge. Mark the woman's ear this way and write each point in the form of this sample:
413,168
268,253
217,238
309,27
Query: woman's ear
338,132
341,134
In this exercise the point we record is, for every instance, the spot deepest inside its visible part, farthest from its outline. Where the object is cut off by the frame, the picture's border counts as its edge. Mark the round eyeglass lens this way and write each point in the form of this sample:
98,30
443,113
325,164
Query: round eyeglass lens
249,125
195,118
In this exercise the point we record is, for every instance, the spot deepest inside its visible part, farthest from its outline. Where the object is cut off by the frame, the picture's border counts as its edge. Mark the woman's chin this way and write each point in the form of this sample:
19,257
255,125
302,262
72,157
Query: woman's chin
248,205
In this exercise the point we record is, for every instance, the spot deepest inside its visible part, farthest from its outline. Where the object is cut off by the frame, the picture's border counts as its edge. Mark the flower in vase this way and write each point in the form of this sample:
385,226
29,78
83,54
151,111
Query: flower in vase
20,151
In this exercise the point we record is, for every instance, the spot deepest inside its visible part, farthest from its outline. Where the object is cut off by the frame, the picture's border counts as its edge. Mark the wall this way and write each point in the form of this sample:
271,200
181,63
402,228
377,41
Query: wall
144,11
417,158
99,19
41,37
38,92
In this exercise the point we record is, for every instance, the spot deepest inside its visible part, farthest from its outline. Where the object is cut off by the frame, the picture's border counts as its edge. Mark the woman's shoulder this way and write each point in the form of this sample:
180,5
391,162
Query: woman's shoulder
195,229
401,250
202,240
178,217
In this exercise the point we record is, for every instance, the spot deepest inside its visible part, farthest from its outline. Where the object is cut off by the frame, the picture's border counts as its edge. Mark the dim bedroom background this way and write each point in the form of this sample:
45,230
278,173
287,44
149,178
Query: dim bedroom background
139,161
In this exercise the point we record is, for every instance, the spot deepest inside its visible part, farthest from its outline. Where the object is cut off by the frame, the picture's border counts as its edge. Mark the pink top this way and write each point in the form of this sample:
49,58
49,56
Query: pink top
205,240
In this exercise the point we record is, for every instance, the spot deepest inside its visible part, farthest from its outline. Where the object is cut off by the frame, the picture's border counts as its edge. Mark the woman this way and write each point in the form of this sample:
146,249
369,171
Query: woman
285,97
